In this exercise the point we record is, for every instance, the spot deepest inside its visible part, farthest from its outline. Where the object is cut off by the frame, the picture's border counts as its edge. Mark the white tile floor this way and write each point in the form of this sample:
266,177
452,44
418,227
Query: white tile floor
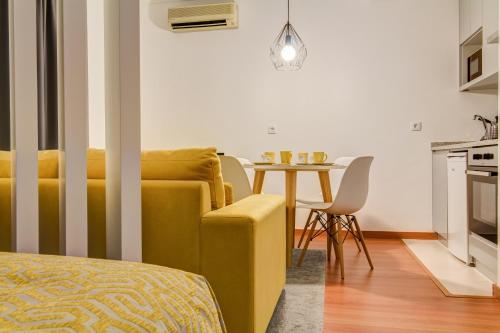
458,278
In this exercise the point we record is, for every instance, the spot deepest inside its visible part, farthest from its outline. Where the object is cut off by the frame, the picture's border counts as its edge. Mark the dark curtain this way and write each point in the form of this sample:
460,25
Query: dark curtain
4,77
47,74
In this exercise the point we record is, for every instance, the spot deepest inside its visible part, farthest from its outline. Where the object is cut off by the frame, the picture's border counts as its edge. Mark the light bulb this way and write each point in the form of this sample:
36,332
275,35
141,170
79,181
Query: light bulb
288,53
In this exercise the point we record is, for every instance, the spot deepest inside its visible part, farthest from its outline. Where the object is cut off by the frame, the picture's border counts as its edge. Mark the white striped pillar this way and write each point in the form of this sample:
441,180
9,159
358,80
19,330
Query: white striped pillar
498,196
73,126
24,106
123,136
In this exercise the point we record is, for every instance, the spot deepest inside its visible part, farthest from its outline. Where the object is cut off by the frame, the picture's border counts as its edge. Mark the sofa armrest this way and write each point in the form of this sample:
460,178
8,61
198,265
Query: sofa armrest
171,216
243,256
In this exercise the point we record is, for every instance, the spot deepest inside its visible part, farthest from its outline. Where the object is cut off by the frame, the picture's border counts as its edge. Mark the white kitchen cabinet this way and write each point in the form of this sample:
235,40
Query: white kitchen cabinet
471,18
485,256
440,195
490,17
490,28
478,28
476,15
464,18
458,231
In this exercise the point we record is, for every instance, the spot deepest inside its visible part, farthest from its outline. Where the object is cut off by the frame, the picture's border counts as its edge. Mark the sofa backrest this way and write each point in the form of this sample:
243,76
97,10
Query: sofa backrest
96,164
48,164
182,164
201,164
5,164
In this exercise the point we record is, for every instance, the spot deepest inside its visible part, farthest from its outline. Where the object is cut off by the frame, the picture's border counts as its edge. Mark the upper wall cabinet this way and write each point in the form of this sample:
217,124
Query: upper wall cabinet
490,30
478,44
471,17
490,17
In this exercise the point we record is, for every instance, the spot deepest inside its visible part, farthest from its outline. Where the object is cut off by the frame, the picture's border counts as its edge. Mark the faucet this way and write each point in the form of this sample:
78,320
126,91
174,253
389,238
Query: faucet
485,122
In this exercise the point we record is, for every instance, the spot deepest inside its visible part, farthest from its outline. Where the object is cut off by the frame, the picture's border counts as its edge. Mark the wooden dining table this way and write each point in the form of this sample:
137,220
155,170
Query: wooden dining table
291,171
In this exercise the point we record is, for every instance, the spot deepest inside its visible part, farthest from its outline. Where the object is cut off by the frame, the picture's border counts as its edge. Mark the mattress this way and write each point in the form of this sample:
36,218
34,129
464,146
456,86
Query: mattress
66,294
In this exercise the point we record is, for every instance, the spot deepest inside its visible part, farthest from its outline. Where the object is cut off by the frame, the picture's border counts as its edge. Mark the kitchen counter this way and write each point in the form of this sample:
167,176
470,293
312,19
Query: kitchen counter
435,146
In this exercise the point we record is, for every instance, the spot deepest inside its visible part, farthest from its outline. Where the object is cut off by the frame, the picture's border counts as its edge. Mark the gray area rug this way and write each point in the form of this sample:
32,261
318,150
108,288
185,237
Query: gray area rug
301,305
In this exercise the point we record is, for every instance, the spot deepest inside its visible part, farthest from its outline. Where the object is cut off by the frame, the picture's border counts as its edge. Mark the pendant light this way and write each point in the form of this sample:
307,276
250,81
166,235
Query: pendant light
288,51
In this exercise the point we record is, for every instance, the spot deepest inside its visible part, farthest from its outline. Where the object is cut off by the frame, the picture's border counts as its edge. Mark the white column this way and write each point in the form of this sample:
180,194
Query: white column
73,124
95,40
24,108
498,204
123,137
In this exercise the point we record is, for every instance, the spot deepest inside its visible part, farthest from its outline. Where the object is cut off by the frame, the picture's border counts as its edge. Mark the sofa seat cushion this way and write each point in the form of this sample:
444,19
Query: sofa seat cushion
48,164
200,164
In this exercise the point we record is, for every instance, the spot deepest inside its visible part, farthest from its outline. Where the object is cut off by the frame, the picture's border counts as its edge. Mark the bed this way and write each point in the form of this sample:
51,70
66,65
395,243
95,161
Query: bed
66,294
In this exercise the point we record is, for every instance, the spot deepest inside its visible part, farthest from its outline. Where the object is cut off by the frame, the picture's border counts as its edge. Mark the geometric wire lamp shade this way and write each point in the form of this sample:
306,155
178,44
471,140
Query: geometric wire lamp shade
288,51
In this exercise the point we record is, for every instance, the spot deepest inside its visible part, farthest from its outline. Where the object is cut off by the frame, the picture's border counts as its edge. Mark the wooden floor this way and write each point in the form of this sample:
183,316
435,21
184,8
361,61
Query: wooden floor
398,296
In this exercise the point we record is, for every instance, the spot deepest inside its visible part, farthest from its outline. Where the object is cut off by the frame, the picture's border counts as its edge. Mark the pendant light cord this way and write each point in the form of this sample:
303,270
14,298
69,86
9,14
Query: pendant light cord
288,20
288,12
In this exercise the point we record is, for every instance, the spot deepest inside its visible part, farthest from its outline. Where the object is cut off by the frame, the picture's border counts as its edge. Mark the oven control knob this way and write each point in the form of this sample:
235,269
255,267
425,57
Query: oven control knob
477,156
488,156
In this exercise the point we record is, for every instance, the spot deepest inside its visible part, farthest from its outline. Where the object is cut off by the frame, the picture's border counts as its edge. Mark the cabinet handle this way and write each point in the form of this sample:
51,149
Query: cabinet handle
479,173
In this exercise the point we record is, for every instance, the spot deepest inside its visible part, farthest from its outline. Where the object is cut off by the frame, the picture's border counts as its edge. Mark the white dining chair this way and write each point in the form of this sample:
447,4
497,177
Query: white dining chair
339,214
234,173
337,175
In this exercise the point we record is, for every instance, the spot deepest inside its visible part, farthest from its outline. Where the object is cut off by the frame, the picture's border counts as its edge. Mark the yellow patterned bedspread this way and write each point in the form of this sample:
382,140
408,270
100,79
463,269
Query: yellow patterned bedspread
67,294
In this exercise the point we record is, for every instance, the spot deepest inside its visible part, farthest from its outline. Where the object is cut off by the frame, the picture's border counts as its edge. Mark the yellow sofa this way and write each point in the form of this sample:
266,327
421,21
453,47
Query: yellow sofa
186,224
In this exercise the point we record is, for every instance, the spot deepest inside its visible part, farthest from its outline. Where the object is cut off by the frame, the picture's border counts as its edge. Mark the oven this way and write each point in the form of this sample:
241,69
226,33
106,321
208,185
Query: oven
482,189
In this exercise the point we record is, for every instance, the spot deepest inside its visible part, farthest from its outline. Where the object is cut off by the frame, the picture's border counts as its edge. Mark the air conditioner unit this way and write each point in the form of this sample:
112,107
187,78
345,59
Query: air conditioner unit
203,17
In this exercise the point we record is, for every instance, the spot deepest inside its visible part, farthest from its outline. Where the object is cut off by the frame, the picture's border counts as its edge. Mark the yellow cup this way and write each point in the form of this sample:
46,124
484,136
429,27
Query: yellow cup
319,157
303,158
286,156
269,157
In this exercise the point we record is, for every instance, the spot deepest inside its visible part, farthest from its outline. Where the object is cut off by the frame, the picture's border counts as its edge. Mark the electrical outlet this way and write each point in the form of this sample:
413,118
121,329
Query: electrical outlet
271,129
416,126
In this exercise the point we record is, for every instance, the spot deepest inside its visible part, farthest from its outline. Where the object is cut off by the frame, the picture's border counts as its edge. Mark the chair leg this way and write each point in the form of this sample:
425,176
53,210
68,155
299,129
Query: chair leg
332,243
340,246
329,242
362,239
354,232
308,240
357,244
308,223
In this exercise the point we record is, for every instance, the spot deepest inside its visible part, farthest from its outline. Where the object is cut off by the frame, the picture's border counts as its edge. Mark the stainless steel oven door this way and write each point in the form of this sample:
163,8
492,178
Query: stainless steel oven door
482,203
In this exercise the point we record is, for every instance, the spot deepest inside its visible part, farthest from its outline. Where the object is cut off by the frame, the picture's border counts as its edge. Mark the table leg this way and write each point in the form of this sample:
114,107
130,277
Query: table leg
258,181
291,188
326,189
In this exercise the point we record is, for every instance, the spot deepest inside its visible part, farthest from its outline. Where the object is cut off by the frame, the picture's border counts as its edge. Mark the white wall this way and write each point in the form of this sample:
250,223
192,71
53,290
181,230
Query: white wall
373,67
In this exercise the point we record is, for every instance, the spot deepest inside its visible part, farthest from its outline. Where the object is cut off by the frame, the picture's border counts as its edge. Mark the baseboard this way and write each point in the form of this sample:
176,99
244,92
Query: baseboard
400,235
392,234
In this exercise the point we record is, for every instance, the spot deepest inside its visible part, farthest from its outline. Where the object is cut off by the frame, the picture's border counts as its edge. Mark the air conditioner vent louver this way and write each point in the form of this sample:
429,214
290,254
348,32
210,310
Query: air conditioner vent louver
203,17
201,24
180,12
